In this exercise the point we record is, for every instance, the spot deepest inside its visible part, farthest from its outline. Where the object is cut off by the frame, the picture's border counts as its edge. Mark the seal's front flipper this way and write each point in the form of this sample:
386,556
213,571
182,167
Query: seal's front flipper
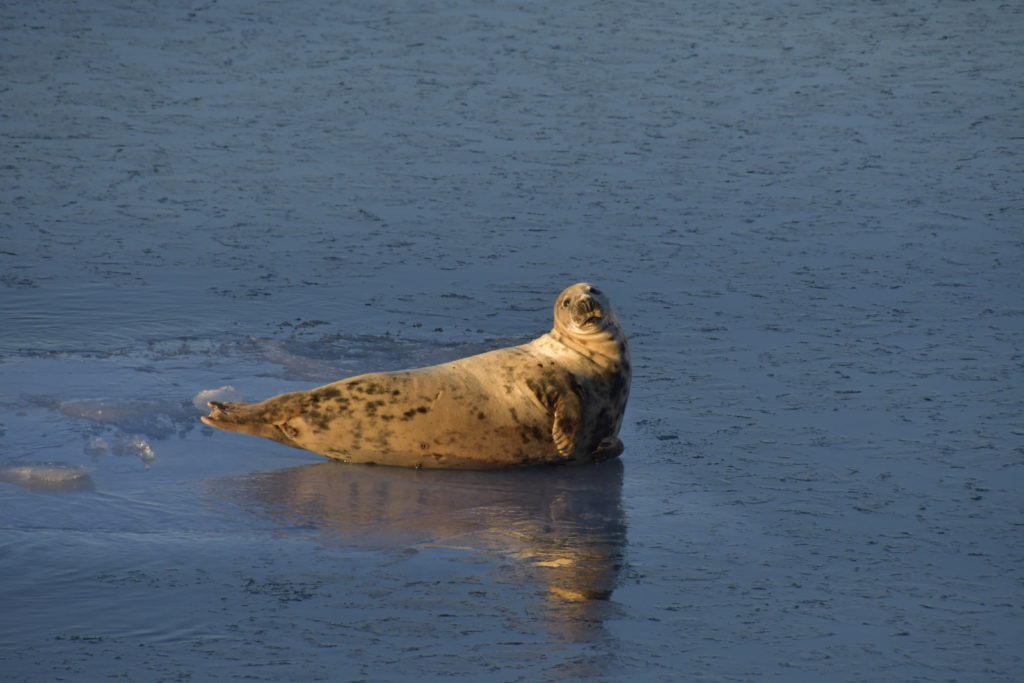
565,426
609,448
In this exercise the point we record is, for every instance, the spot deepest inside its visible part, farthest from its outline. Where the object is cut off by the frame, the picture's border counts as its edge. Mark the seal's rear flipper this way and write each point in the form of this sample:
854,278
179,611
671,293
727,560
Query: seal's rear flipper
229,416
246,418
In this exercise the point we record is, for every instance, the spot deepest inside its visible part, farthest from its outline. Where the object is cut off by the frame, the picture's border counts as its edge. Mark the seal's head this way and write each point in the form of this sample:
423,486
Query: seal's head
585,323
583,310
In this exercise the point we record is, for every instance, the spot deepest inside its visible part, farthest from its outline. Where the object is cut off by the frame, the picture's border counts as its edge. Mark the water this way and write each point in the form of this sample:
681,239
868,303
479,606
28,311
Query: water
808,220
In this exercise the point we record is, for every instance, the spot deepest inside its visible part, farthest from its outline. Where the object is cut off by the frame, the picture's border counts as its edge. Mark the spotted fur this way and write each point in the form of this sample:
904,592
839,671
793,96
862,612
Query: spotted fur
557,399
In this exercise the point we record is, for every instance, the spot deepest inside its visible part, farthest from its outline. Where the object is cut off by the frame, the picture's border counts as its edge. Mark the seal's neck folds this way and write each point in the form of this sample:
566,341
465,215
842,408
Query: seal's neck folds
604,348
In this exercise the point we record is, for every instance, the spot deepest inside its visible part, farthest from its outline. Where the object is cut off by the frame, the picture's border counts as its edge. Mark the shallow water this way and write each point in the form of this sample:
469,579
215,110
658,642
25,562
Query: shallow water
809,221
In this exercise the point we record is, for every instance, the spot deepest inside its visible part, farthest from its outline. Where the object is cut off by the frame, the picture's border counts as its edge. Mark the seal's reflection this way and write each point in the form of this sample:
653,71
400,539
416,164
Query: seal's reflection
561,529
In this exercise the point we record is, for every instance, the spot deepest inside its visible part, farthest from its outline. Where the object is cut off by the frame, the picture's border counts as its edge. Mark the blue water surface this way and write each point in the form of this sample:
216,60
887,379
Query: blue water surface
807,216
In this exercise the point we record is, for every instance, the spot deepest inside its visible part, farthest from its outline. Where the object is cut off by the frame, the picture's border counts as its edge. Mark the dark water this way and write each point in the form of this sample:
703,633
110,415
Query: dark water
808,217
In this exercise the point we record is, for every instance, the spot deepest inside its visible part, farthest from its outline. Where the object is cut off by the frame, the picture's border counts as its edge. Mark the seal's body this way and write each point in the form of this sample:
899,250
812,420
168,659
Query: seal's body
557,399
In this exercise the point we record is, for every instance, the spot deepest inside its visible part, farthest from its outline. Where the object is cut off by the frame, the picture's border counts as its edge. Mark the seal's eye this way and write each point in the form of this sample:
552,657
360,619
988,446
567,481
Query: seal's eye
565,302
594,290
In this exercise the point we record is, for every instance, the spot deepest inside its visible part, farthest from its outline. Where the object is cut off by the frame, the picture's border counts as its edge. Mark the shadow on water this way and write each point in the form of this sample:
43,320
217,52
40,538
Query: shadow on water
561,531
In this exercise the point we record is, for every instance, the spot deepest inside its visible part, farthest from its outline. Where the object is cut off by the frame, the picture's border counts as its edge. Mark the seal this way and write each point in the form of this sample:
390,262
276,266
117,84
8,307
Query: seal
557,399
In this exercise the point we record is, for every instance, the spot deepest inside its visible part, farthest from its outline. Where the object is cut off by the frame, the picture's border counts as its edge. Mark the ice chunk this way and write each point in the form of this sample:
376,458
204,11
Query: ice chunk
47,476
134,446
96,447
225,393
156,418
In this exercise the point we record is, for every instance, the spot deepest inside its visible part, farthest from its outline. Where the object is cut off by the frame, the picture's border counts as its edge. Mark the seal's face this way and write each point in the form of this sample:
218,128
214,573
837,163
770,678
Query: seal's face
584,310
